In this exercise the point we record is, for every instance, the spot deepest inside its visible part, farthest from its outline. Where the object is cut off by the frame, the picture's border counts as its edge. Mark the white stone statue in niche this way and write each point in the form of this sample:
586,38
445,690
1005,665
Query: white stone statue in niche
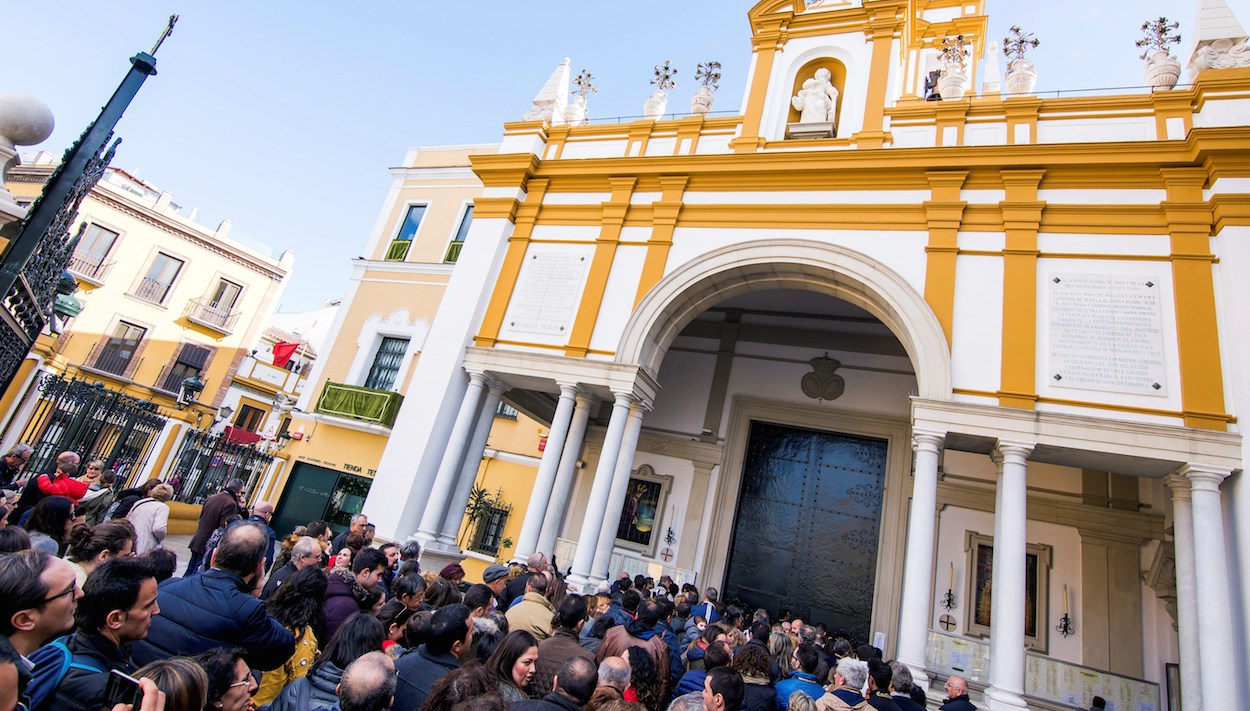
818,99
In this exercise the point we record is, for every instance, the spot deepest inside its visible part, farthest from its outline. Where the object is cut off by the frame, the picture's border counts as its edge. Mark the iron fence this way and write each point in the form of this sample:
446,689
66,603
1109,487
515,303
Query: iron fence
206,461
97,423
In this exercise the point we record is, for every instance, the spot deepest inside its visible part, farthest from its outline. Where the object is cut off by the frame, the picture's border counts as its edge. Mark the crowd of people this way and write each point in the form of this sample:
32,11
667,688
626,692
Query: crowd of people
326,620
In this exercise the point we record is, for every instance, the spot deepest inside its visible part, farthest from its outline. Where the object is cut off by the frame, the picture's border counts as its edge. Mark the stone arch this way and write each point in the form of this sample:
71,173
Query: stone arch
830,269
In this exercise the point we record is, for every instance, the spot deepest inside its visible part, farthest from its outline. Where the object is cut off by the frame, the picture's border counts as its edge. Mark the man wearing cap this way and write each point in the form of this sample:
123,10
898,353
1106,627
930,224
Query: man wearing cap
496,578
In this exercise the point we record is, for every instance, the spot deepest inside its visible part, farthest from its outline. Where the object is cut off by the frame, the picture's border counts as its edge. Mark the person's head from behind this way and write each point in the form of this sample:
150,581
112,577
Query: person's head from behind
440,593
451,631
297,602
879,675
717,654
760,631
230,680
577,679
536,583
688,702
571,614
806,658
751,660
417,629
800,701
614,672
13,539
53,517
119,600
1098,702
723,690
842,647
38,596
357,636
901,679
368,684
368,567
479,599
630,600
461,685
241,550
183,680
161,492
164,563
851,673
90,546
513,660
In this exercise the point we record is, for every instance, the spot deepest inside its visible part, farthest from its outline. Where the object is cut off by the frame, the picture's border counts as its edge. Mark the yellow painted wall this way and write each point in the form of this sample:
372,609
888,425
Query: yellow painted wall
516,481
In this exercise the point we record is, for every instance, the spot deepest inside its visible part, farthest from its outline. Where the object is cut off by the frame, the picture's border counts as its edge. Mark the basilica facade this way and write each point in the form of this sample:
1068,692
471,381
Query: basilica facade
857,353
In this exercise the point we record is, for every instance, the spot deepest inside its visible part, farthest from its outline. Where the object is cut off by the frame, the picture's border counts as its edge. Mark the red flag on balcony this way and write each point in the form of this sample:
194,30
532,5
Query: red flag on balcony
282,353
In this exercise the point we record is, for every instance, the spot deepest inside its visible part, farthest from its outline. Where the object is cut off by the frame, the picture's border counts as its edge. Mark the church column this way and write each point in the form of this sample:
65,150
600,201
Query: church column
527,540
453,457
565,475
917,604
1010,549
1186,592
454,516
616,497
596,508
1211,571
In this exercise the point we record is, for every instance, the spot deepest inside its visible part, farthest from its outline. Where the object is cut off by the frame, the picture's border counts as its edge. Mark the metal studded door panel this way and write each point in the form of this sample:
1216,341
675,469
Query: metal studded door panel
805,535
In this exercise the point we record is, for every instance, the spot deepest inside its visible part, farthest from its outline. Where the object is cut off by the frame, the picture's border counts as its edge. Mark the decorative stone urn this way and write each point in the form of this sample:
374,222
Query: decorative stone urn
1162,71
1021,77
953,82
701,102
656,104
575,112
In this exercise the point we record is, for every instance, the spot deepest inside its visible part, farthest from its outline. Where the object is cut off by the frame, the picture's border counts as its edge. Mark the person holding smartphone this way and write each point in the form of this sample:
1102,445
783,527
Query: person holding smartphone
117,606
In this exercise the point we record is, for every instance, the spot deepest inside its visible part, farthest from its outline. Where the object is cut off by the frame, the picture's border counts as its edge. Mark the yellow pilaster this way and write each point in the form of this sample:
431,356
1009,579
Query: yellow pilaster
769,38
664,221
1022,214
943,213
526,214
600,265
1197,331
885,25
162,458
8,402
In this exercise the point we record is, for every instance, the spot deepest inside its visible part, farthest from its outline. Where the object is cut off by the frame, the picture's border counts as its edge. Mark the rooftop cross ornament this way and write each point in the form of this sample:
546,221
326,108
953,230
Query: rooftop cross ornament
664,76
575,112
582,82
708,74
169,30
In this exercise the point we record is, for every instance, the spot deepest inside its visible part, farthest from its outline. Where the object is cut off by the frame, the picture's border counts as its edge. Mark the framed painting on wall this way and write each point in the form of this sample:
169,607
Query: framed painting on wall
980,593
641,514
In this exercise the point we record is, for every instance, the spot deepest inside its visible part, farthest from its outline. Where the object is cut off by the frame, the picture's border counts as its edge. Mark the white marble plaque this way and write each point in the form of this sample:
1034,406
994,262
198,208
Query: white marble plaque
1106,333
547,292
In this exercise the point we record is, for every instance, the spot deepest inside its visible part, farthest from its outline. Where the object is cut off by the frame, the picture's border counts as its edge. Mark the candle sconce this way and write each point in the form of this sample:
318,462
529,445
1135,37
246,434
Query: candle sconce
1065,627
948,600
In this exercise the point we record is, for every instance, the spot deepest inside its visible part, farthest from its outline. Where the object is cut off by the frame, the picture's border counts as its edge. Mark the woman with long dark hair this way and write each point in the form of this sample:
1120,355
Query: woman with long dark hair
183,680
230,680
644,680
357,636
297,606
90,546
50,523
513,663
439,593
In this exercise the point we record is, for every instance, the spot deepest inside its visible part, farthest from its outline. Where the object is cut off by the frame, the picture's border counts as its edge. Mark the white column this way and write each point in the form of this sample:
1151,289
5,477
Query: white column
995,610
1010,549
597,507
616,496
1186,593
917,604
453,457
563,487
527,540
1217,668
454,516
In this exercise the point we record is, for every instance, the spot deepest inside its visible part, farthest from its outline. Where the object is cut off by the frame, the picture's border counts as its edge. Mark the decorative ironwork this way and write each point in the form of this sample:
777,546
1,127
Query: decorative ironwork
708,74
97,423
1065,627
207,313
582,82
1019,43
664,76
948,600
206,461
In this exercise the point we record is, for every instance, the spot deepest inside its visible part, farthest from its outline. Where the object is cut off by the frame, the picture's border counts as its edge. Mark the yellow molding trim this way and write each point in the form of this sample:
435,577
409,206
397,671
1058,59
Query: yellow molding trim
1223,417
614,213
518,243
943,213
527,344
665,215
1022,213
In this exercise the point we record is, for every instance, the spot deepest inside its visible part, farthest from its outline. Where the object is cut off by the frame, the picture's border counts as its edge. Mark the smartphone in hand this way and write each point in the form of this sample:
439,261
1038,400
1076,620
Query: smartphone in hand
122,688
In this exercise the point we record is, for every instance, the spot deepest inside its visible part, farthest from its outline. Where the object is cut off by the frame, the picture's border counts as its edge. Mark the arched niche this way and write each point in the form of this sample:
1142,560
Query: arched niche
837,70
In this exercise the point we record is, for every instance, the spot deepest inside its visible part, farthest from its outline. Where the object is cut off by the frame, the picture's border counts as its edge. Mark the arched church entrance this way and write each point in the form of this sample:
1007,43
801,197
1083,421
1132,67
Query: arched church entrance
788,358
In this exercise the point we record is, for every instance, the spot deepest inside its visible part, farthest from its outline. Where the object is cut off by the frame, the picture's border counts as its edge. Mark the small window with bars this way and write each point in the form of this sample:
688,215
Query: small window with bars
118,352
190,361
506,411
489,532
386,363
249,418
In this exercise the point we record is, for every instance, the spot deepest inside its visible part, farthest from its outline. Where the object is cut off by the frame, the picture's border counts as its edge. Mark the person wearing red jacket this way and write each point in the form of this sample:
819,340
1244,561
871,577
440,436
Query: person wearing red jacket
57,483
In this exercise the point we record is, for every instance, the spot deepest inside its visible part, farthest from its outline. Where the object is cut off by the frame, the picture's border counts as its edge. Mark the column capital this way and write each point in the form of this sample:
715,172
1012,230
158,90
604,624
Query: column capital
477,375
624,398
922,440
584,399
497,386
1179,485
568,388
1013,452
1203,477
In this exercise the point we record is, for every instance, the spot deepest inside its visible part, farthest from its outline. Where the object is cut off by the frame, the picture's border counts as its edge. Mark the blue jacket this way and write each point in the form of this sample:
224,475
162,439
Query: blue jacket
211,610
690,681
706,611
798,681
674,650
416,671
260,521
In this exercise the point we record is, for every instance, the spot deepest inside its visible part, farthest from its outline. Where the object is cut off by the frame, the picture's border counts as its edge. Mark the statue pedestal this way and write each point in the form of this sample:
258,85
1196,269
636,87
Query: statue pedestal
799,130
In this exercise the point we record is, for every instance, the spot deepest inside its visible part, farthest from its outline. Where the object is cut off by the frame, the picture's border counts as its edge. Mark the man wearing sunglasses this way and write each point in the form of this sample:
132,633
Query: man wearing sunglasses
38,597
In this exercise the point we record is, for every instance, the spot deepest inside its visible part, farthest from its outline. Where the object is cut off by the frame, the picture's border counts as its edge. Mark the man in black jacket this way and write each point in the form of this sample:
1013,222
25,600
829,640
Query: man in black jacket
215,511
957,695
451,637
575,682
117,607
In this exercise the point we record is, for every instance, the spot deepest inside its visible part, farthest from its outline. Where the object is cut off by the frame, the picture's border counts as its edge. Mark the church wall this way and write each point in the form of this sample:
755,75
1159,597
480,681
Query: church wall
685,388
977,325
1097,130
617,305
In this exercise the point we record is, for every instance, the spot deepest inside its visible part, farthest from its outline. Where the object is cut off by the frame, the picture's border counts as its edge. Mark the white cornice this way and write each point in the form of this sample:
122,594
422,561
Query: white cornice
361,267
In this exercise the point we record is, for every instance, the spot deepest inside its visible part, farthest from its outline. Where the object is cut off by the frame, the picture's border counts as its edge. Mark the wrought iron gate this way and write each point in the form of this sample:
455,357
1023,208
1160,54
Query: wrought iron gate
97,423
206,461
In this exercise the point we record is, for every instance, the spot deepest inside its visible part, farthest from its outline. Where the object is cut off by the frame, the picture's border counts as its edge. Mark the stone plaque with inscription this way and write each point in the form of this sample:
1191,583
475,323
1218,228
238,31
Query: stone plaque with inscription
1106,333
547,292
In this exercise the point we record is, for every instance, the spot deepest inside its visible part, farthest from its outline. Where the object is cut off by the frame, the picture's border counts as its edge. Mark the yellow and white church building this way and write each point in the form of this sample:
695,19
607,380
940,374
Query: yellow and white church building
872,359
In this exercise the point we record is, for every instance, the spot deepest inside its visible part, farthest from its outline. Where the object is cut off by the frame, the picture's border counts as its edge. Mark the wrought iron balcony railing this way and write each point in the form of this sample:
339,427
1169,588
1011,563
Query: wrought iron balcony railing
453,252
93,270
152,290
376,406
216,316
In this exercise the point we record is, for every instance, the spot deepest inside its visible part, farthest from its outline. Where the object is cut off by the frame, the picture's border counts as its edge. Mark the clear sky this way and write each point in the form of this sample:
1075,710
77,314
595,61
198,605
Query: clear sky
284,116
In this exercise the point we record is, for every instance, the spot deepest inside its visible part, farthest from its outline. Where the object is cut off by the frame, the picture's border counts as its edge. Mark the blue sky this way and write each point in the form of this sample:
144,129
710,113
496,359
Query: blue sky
284,116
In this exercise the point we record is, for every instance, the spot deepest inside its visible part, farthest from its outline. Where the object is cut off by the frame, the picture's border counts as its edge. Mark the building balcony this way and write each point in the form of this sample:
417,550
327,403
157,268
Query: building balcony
152,290
206,313
374,406
89,270
267,376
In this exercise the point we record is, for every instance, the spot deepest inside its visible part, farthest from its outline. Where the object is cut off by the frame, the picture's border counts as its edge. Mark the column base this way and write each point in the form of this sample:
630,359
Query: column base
435,556
919,676
580,584
1003,700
